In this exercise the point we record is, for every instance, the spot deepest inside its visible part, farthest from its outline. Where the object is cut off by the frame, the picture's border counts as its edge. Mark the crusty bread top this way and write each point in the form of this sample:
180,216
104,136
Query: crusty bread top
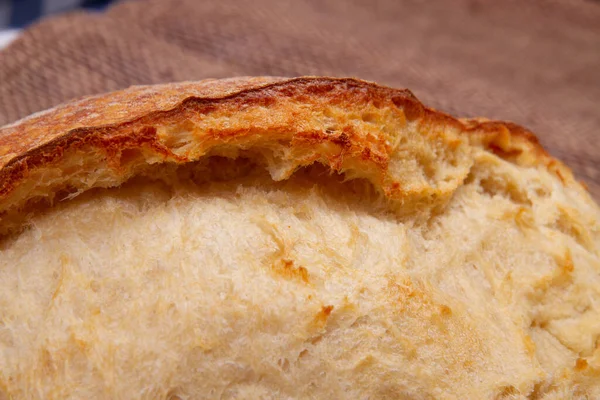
298,121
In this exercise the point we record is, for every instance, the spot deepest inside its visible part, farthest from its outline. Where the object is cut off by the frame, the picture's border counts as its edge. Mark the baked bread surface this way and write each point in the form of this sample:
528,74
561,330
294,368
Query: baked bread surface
291,238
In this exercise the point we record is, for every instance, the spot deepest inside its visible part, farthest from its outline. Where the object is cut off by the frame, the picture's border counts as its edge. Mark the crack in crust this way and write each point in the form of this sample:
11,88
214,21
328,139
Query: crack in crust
413,155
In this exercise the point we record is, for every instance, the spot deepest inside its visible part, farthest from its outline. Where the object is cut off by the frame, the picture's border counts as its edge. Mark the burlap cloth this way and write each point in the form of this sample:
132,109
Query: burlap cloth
536,63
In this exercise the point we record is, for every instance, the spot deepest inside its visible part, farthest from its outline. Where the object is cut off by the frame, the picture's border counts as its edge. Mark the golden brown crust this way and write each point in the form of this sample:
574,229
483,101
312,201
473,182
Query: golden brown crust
123,121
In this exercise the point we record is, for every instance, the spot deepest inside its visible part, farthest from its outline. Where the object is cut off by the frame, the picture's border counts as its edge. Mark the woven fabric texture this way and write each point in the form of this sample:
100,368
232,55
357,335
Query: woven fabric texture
536,63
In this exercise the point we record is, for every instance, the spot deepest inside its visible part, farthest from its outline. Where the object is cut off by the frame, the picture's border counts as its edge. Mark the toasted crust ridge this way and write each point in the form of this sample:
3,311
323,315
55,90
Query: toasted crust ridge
353,126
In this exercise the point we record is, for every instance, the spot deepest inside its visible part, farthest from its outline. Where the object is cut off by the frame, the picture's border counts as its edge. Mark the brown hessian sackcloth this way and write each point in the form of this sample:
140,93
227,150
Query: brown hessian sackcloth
536,63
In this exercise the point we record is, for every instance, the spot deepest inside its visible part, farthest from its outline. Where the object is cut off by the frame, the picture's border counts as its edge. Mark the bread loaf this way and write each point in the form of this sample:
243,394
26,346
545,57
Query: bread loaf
290,238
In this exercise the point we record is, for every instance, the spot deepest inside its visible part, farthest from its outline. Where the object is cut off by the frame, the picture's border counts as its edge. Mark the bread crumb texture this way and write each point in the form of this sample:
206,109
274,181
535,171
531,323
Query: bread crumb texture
278,239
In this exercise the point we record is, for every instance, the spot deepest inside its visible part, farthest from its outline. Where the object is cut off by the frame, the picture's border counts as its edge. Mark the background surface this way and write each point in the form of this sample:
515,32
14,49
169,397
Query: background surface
536,63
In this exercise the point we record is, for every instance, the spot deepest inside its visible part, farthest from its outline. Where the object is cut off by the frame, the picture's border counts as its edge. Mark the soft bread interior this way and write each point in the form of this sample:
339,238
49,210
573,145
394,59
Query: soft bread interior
212,280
